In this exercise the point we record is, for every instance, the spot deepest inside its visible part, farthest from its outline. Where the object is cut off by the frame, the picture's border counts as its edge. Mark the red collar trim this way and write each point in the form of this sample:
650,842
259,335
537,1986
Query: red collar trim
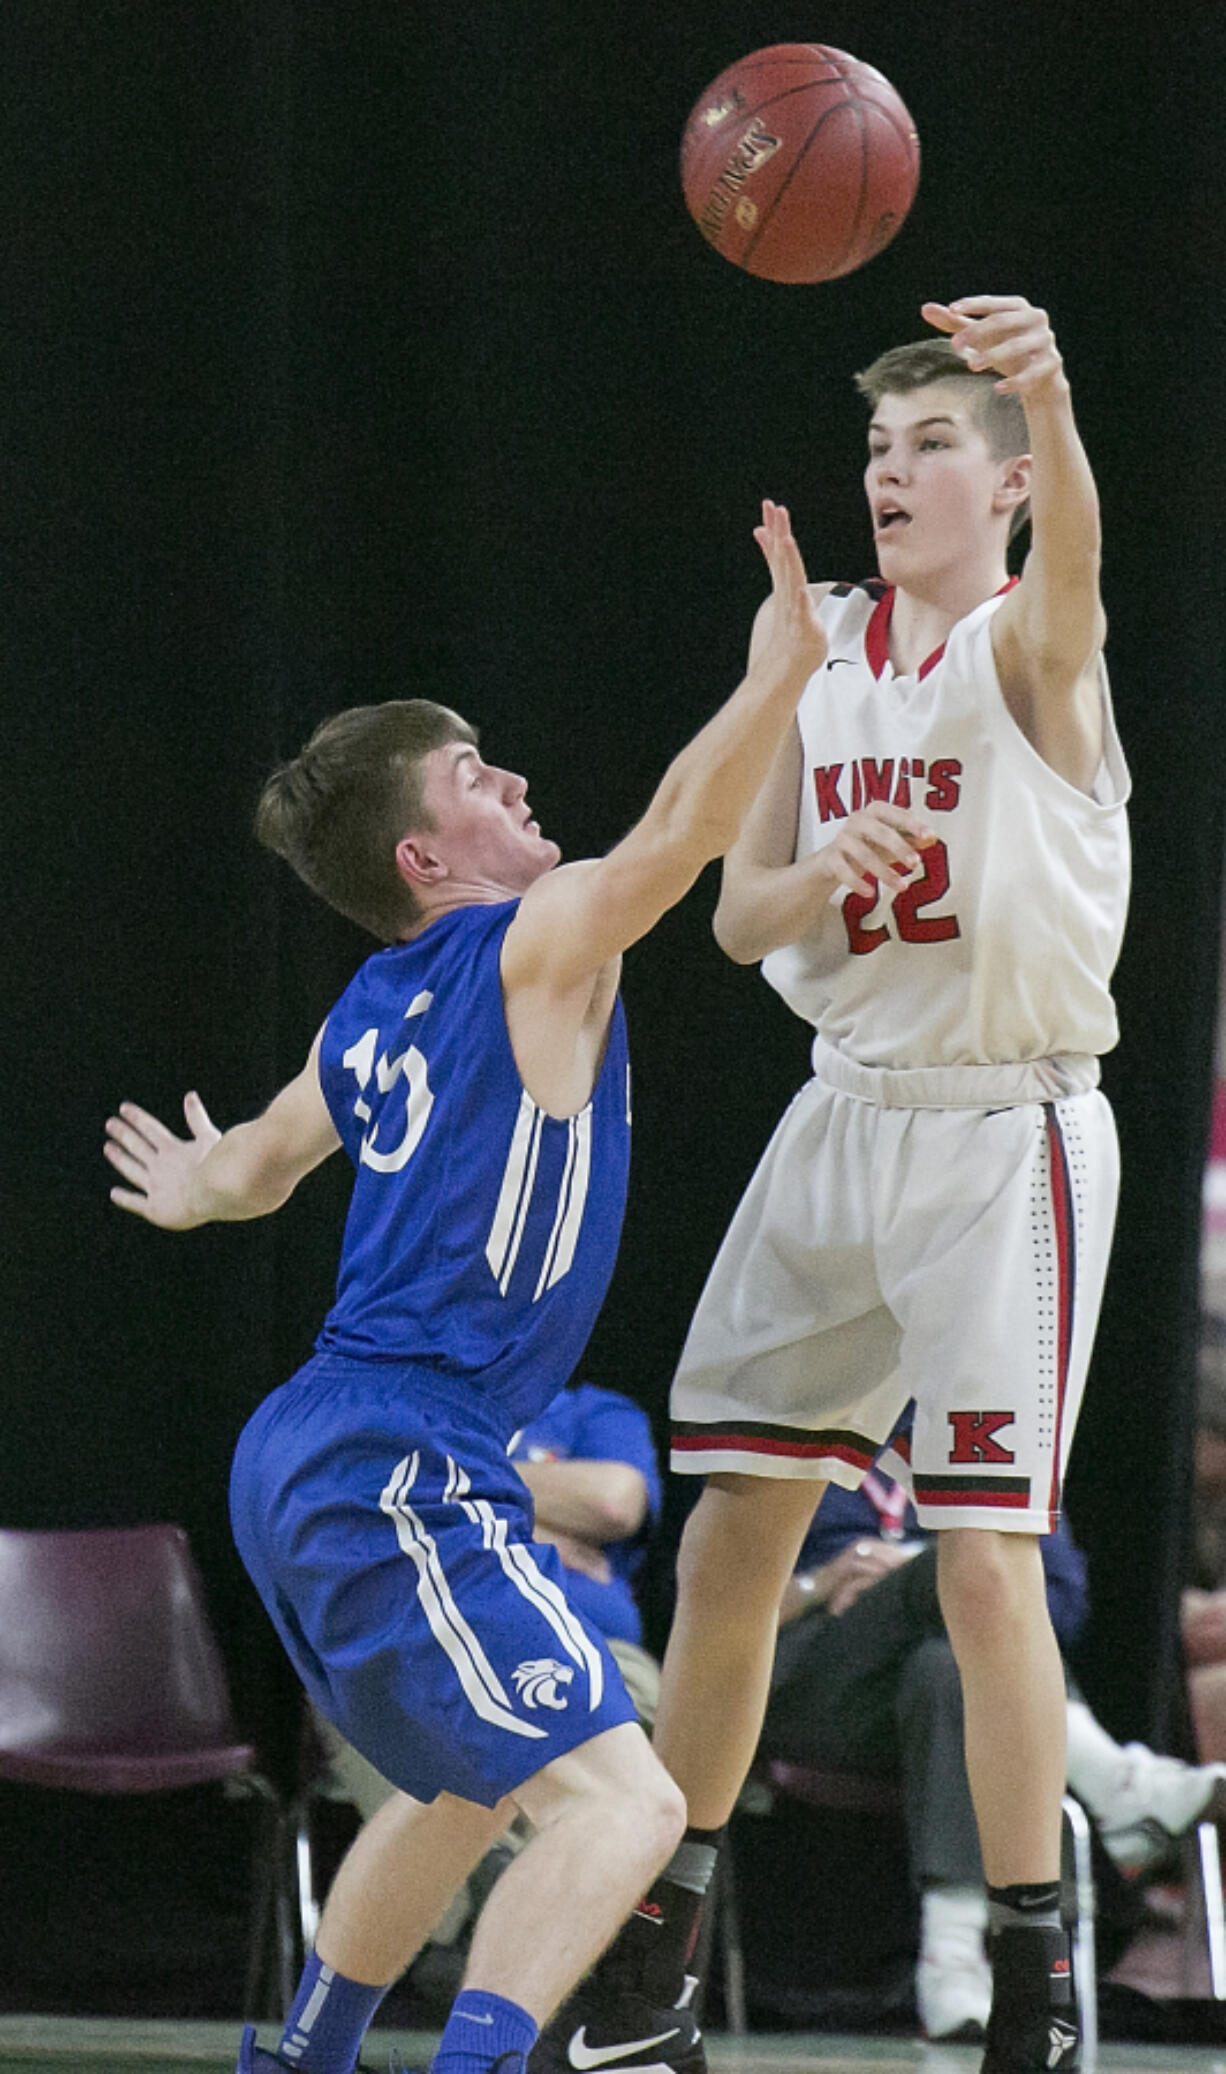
877,632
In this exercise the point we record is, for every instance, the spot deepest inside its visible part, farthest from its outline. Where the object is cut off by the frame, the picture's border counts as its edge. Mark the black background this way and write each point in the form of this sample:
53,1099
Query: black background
363,352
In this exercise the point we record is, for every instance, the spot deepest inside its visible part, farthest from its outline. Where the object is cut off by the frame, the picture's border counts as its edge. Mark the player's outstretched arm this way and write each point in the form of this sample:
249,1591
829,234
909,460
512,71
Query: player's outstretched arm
768,895
581,916
1048,632
220,1176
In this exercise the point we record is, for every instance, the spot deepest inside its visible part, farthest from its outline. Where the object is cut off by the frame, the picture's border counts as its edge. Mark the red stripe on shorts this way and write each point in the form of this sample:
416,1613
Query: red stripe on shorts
973,1498
1062,1221
756,1444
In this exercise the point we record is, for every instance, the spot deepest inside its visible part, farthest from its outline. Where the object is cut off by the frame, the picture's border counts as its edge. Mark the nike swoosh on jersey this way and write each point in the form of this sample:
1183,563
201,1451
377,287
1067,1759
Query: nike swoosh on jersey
582,2055
832,660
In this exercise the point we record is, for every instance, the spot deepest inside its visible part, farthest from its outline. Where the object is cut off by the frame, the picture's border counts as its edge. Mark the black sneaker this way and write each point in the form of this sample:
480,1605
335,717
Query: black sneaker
1053,2047
1033,2026
602,2027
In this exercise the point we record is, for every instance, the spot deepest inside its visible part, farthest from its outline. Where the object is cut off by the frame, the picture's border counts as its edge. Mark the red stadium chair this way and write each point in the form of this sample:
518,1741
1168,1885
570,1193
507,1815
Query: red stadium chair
111,1681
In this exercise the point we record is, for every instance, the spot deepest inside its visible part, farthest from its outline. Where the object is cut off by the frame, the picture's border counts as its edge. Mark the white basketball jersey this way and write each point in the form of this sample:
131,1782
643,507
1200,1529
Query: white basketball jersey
1002,945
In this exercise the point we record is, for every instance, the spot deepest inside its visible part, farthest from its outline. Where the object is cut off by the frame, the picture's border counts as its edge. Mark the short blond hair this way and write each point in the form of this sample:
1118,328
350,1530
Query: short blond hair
1001,419
337,810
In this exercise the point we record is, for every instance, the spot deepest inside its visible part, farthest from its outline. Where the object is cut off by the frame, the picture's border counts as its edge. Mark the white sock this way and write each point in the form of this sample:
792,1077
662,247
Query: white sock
1095,1766
949,1909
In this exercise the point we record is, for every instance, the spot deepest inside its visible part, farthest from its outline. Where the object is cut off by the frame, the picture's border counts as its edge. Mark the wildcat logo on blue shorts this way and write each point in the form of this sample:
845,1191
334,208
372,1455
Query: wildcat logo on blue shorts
537,1681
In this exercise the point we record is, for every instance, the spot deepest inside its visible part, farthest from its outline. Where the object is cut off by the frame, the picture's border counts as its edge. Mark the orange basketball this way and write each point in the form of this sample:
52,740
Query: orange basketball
799,163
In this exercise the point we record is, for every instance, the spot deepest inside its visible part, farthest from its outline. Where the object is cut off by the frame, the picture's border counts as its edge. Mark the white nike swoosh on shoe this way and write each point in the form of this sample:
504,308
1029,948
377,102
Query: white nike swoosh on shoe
582,2055
651,2067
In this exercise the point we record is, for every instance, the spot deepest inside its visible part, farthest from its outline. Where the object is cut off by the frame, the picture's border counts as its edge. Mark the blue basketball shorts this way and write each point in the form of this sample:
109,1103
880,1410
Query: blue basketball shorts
391,1544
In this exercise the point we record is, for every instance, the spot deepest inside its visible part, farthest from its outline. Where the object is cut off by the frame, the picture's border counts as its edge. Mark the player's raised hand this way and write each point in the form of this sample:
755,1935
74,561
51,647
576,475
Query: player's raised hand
796,631
1003,334
159,1166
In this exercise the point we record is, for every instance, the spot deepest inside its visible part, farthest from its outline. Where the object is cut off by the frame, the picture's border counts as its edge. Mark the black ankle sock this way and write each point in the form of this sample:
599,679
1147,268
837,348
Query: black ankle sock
714,1837
652,1950
1024,1907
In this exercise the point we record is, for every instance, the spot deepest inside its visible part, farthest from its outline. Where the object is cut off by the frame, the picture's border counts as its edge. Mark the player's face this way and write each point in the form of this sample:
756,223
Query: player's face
931,482
483,826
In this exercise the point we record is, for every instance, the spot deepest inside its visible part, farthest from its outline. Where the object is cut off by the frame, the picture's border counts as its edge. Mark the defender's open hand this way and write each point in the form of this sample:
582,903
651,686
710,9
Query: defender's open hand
159,1166
797,634
1006,334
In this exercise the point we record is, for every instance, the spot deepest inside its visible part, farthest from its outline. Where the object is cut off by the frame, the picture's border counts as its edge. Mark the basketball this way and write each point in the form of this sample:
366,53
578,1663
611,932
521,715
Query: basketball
799,163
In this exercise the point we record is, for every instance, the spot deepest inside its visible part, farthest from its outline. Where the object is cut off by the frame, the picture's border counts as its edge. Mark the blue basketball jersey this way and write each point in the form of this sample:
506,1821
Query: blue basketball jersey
481,1233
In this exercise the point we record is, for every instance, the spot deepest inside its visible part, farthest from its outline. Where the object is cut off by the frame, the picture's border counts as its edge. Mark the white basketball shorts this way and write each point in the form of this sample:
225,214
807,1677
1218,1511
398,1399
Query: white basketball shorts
880,1253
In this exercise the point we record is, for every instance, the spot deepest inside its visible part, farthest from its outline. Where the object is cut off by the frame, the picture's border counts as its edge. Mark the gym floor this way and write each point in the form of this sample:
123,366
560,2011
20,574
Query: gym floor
57,2045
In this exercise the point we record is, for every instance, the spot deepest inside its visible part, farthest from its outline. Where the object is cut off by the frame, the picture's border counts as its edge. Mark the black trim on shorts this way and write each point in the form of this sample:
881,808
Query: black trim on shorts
753,1429
1011,1486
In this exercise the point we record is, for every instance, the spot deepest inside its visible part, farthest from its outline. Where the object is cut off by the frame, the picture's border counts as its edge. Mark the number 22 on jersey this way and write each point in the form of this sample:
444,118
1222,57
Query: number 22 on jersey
910,920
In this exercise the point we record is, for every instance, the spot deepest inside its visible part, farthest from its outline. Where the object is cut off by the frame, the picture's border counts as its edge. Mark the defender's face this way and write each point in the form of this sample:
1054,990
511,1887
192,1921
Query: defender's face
931,481
483,827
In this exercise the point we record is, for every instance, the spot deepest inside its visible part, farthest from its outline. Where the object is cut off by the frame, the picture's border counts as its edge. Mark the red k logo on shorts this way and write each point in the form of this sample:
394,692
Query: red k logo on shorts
974,1436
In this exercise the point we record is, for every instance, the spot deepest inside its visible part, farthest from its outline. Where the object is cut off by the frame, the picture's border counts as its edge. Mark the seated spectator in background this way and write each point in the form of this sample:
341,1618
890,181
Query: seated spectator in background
1203,1607
865,1680
590,1463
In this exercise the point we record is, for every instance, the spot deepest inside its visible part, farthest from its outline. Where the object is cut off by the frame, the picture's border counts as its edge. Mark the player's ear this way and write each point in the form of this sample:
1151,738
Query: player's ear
1013,483
417,862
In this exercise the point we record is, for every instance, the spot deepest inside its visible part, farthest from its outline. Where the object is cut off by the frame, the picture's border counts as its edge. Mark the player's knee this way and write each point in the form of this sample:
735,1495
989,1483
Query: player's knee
653,1792
740,1544
654,1803
617,1788
640,1814
986,1579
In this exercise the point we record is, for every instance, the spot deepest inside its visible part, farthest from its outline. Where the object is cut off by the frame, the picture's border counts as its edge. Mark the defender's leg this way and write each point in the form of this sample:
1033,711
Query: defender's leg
606,1817
393,1886
397,1879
